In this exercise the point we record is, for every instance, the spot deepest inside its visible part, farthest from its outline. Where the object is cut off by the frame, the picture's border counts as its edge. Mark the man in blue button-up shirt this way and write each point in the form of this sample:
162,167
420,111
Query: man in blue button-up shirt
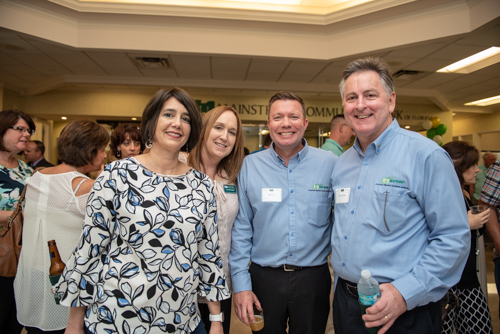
283,227
399,212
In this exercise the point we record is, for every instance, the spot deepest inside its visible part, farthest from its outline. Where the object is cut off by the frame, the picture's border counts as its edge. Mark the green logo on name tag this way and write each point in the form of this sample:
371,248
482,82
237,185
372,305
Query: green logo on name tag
230,189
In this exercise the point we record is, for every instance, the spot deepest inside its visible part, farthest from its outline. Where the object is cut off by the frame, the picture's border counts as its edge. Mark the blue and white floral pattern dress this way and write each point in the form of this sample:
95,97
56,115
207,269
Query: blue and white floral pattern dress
149,247
12,184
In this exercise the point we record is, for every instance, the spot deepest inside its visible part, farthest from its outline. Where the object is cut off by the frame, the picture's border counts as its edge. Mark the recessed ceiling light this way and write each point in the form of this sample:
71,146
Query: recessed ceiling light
276,2
407,127
134,118
64,117
453,113
475,62
485,102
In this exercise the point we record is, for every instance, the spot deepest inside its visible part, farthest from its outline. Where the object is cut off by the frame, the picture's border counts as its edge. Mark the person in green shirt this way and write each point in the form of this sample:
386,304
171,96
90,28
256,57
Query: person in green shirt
340,135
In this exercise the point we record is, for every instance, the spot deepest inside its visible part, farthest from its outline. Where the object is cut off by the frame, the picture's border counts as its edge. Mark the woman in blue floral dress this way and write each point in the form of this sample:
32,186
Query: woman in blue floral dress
150,243
16,129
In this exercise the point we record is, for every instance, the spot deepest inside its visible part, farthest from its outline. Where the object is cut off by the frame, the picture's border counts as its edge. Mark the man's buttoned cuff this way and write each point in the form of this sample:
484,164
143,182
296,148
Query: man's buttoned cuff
241,282
411,290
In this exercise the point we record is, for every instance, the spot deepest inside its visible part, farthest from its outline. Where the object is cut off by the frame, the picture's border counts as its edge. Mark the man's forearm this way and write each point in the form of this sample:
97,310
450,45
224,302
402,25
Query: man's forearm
492,226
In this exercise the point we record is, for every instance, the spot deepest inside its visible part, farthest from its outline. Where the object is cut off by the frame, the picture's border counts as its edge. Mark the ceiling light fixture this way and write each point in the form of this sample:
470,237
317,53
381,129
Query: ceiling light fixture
134,118
485,102
275,2
64,117
407,127
475,62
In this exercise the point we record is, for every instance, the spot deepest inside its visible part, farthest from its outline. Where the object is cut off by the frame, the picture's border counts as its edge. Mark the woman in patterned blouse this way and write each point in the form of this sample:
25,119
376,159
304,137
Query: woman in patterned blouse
16,129
150,243
220,155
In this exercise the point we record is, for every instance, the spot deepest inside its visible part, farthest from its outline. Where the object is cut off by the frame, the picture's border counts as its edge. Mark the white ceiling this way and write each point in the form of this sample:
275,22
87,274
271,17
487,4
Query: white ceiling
33,60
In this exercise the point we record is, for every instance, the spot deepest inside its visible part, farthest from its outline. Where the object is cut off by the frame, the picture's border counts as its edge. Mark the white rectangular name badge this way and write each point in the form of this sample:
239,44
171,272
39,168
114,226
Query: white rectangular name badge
342,195
271,194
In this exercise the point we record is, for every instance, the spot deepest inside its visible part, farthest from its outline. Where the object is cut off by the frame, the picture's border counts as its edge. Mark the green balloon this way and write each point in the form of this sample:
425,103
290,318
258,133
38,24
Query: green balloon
441,129
431,133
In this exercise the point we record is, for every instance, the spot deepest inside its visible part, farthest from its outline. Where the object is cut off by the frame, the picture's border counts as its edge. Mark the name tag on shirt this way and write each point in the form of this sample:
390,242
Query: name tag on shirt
230,189
342,195
271,194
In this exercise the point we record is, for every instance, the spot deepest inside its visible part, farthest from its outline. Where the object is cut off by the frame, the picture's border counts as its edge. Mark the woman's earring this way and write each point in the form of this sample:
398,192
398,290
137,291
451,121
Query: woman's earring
149,143
118,154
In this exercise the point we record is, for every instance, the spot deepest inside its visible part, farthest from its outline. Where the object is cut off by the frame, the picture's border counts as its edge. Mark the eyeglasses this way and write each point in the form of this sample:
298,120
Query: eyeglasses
22,129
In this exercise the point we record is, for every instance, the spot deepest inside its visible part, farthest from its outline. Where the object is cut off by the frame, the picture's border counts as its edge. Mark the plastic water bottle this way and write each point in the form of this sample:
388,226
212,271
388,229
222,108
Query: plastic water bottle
369,293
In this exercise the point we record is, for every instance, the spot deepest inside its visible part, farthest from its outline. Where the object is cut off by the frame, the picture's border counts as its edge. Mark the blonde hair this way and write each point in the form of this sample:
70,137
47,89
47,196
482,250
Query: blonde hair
230,164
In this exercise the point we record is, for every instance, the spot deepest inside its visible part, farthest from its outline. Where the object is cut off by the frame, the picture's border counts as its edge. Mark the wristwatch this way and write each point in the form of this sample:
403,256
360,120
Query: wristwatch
217,317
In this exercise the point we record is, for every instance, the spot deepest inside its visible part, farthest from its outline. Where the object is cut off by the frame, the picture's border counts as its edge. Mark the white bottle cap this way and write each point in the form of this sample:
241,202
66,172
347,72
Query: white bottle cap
366,274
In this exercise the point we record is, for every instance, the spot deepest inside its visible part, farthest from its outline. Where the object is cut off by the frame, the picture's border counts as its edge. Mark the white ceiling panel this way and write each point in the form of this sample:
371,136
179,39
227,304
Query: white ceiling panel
229,64
463,82
415,51
296,78
263,76
233,76
456,51
305,68
187,63
159,73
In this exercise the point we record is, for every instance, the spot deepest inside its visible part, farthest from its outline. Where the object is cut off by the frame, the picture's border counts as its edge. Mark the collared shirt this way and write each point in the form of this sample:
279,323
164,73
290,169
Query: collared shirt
490,192
404,216
480,177
284,212
332,146
33,164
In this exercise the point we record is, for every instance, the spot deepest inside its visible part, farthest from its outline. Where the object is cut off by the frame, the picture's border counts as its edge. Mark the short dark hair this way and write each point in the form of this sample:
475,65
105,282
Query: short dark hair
268,140
80,142
284,95
464,156
376,65
119,134
154,106
39,146
9,118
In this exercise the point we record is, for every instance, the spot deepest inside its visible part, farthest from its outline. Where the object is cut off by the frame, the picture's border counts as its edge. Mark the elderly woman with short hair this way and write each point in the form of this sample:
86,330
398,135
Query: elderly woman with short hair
54,210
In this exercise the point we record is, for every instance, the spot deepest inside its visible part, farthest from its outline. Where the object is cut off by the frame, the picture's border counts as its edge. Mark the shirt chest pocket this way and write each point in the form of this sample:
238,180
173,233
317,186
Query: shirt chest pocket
318,210
388,210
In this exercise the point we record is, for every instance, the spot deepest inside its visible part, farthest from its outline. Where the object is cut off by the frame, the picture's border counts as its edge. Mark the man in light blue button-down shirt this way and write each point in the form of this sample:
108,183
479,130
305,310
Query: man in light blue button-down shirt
283,227
399,212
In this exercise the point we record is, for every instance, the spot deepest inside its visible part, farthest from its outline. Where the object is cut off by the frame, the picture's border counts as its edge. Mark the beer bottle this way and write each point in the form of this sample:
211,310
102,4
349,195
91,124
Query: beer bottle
56,267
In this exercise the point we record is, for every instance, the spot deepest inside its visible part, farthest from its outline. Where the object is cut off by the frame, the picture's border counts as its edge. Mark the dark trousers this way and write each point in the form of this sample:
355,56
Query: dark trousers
8,315
225,306
347,316
299,299
34,330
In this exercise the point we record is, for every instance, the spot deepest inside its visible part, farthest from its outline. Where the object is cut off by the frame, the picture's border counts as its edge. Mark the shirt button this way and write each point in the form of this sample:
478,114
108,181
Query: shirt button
352,211
292,212
291,191
345,237
366,164
291,254
343,264
290,170
359,187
